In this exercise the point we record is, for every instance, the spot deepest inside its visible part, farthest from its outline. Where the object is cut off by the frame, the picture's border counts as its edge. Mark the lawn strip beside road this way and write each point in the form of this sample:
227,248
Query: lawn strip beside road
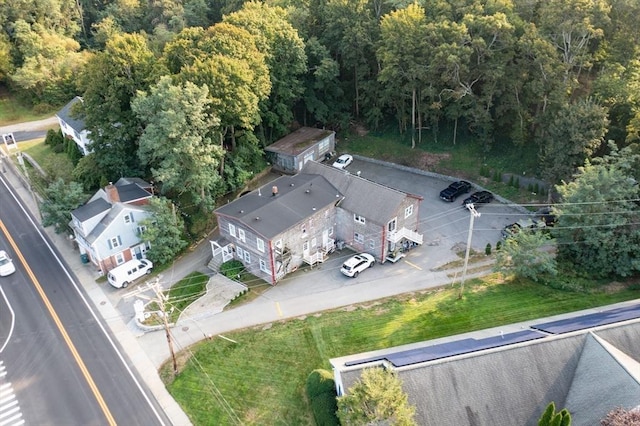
260,374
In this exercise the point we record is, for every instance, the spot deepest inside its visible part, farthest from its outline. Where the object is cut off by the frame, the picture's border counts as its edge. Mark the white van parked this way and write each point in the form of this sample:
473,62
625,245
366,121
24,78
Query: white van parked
122,275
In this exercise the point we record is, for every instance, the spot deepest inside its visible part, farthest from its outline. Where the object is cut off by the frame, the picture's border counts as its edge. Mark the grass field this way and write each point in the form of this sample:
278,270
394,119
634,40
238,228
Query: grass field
13,111
260,378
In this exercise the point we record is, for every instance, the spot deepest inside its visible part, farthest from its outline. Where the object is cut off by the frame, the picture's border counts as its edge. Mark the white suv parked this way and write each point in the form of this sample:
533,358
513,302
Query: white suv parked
356,264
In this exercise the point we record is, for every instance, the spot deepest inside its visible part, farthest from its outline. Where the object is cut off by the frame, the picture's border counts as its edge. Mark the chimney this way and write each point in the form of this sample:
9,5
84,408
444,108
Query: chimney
274,191
112,193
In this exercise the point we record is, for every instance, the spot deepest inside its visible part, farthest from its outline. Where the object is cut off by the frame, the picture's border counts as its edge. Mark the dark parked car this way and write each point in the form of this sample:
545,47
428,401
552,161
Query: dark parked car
480,197
526,224
454,190
546,215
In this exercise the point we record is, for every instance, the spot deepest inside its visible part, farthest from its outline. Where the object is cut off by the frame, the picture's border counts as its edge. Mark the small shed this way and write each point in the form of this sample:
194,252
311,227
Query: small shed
290,153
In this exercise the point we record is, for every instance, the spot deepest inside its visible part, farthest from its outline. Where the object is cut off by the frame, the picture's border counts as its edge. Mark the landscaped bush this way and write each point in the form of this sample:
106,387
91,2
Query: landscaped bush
231,268
321,390
54,138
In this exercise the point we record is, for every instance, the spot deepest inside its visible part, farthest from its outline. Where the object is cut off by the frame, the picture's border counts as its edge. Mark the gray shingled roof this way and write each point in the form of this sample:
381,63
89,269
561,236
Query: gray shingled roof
91,209
378,203
127,180
115,211
66,114
297,142
512,385
298,198
131,192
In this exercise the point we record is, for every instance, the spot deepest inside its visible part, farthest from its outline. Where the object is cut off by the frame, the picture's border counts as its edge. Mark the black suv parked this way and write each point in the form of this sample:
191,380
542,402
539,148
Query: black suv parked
480,197
454,190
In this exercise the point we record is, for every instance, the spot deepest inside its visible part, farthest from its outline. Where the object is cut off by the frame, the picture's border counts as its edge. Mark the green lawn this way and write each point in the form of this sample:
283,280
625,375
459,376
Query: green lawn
14,111
260,378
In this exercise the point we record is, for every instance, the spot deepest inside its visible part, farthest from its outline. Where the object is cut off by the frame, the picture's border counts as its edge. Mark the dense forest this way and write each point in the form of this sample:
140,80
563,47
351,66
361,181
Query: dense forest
188,92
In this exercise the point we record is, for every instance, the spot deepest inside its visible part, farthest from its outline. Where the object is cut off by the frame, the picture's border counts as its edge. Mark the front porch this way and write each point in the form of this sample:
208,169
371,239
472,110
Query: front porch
320,254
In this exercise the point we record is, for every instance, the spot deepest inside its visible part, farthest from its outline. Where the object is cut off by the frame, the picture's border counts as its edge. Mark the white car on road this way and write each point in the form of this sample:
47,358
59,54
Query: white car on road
343,161
6,264
356,264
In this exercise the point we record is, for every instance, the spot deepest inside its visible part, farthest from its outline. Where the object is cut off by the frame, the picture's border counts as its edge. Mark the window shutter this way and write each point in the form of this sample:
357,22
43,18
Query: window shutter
109,241
119,240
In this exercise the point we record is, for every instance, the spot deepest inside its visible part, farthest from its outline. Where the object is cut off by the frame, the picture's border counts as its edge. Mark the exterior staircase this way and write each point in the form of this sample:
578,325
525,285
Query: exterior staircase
405,233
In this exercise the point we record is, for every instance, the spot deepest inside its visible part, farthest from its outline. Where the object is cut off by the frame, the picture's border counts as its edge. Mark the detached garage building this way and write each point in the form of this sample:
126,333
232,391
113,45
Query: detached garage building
290,153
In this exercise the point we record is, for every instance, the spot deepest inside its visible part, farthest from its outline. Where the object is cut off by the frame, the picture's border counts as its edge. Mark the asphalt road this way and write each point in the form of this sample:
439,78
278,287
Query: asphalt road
63,363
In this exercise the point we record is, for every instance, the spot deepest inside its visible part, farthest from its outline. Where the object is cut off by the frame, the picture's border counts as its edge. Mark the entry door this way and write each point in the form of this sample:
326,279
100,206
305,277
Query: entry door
325,238
305,249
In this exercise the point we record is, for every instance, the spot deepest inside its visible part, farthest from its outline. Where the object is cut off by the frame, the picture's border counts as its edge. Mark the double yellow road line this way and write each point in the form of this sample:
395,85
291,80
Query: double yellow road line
63,331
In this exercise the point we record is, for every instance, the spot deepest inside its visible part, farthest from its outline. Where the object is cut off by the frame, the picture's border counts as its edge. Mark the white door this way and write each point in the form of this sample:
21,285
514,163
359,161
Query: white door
305,249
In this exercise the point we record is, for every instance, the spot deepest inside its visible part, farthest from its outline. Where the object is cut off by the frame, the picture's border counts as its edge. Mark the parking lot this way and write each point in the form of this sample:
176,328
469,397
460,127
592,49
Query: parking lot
445,225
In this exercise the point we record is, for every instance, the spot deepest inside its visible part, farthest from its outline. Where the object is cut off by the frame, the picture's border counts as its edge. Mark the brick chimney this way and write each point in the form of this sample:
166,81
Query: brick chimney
112,193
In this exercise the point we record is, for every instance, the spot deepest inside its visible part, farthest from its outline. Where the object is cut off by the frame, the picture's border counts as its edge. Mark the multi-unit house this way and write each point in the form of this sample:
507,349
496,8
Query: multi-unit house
107,228
73,127
301,219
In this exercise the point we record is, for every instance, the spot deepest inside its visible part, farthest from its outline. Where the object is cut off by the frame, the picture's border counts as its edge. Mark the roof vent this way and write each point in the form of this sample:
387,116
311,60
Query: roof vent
241,211
307,191
257,217
291,184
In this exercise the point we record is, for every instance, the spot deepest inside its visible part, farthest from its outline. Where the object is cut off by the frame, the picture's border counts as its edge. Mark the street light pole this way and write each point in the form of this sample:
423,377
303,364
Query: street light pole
473,215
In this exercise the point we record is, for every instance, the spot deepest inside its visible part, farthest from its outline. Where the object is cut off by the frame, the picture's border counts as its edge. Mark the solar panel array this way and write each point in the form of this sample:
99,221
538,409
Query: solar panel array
444,350
465,346
590,320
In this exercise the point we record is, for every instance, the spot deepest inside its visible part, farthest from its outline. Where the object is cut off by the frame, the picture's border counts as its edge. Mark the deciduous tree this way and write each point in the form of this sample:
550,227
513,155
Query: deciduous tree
164,231
527,254
377,398
179,141
60,200
285,57
597,220
574,134
109,82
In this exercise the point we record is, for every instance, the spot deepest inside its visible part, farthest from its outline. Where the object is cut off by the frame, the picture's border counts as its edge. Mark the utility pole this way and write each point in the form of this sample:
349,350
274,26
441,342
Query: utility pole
474,214
161,299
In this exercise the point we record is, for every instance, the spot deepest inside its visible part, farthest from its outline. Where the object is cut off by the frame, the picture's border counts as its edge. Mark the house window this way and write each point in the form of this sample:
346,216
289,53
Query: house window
260,243
408,211
119,259
358,238
141,229
241,235
324,145
240,252
115,242
232,230
247,257
359,219
330,230
304,231
128,218
278,244
372,245
392,224
263,266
